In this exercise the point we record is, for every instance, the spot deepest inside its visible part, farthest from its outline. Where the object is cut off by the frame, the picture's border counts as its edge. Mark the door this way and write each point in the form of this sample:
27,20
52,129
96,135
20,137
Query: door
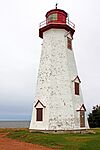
82,118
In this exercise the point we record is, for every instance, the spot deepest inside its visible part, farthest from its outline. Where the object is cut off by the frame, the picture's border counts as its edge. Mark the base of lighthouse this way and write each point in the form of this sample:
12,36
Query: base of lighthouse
58,103
57,124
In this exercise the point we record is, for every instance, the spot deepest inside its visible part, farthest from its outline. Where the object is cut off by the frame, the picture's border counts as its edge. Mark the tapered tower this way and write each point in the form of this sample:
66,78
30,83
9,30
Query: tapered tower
58,103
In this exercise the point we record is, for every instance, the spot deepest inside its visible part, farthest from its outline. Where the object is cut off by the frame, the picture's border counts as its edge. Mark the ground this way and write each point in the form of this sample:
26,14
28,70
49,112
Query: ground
23,139
9,144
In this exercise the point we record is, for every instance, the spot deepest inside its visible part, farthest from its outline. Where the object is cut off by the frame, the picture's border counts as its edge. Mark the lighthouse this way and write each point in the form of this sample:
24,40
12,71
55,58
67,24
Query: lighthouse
58,104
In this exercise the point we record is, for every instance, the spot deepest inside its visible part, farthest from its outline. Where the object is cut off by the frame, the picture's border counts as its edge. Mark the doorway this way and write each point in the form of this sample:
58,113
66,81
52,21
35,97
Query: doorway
82,118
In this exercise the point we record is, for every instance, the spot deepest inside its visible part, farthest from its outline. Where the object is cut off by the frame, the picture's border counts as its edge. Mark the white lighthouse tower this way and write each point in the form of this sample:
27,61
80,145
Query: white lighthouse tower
58,103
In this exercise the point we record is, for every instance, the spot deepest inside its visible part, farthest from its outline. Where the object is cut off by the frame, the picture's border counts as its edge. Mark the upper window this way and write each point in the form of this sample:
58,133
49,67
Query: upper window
76,88
39,114
69,43
52,17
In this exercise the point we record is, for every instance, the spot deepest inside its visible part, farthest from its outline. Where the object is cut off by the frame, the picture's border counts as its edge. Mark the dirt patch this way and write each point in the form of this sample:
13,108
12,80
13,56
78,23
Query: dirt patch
9,144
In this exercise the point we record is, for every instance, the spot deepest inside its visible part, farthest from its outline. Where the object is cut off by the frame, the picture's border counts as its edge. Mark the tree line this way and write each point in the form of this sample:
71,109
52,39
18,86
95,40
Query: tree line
94,117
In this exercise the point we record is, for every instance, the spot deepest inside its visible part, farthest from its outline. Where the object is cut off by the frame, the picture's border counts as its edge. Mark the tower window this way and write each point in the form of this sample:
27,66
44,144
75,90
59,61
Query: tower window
76,88
39,114
69,43
52,17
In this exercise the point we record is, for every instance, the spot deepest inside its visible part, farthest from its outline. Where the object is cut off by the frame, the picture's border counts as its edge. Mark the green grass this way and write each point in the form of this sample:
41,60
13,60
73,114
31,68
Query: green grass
59,141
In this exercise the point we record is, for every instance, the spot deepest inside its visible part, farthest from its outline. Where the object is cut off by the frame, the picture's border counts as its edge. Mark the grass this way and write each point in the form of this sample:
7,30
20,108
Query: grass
58,141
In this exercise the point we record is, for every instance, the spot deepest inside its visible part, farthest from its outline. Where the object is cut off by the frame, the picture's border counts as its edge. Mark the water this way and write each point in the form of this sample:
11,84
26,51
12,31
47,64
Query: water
14,124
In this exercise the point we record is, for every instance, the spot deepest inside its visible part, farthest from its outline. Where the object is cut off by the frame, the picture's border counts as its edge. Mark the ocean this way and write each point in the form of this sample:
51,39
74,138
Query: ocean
14,124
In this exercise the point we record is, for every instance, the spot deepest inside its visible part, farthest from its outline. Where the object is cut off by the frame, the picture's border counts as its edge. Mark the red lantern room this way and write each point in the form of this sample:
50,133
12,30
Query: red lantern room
56,18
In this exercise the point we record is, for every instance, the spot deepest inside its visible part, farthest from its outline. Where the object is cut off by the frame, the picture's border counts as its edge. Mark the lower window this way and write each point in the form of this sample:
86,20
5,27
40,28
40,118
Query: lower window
39,114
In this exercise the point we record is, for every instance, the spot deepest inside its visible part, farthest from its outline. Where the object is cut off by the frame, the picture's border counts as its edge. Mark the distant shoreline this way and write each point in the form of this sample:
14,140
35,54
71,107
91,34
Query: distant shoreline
14,120
14,124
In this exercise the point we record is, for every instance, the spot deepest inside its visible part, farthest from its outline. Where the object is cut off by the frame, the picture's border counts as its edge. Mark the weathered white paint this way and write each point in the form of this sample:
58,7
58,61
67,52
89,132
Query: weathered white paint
55,86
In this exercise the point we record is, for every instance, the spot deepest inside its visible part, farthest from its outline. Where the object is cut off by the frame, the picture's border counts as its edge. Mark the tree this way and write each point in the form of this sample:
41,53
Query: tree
94,117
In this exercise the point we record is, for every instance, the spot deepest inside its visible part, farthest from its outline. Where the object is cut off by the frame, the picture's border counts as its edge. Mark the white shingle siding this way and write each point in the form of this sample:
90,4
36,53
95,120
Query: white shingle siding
55,88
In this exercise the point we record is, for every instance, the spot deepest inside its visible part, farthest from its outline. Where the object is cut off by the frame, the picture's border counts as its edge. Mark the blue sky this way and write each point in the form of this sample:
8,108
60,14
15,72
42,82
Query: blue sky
20,49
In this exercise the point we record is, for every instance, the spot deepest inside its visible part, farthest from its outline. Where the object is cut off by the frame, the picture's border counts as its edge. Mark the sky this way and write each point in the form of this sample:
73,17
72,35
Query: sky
20,50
